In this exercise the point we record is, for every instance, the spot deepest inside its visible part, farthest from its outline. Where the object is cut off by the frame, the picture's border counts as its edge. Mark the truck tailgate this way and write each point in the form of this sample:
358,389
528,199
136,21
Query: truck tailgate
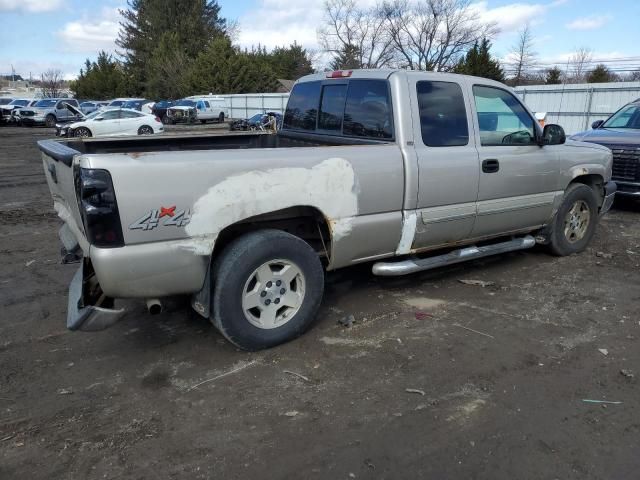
57,160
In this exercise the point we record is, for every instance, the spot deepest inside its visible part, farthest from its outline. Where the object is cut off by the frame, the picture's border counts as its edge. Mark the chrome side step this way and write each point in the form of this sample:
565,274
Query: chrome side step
404,267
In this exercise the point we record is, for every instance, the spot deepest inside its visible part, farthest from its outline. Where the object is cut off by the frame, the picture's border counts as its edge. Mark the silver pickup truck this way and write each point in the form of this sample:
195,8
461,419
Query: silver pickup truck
406,170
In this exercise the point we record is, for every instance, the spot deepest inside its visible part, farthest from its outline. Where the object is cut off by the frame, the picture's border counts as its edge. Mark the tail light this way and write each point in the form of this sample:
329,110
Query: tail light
98,207
339,74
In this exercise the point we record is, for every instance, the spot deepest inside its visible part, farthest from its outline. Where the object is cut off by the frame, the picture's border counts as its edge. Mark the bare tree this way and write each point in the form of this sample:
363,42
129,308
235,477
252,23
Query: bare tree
579,64
523,56
360,32
433,34
51,83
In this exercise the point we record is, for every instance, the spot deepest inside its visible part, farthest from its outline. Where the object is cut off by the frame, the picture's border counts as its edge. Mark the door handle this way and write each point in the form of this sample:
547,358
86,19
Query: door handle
490,165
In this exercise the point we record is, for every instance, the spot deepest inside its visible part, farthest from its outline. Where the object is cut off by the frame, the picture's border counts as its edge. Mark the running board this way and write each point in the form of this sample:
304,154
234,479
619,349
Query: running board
405,267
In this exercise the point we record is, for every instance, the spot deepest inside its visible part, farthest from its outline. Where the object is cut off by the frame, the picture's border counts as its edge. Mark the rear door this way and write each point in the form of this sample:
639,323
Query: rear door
448,167
129,122
109,125
518,178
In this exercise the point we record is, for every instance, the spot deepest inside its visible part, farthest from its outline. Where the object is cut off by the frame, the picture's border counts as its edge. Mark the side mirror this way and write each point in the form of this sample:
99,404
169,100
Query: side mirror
553,135
98,119
597,124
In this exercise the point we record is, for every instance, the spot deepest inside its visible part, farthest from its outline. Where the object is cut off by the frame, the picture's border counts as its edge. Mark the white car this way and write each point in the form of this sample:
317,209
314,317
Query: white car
112,122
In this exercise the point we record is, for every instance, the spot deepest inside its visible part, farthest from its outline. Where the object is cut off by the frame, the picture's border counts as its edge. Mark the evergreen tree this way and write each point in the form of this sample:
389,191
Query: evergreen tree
168,69
193,22
290,62
600,74
553,76
348,58
478,62
101,80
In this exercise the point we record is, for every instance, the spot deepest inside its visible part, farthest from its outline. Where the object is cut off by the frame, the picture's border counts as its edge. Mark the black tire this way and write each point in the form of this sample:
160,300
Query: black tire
50,121
236,266
82,132
221,117
562,243
145,130
203,121
165,120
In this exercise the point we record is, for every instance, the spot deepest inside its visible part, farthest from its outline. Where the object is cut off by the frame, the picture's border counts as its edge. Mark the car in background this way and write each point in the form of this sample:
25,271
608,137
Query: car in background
50,111
120,102
5,100
210,107
260,121
621,133
159,109
112,122
182,111
135,104
16,117
89,106
7,109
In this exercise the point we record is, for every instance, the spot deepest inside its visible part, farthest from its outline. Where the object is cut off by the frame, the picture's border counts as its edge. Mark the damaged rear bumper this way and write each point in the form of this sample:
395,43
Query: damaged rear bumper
89,310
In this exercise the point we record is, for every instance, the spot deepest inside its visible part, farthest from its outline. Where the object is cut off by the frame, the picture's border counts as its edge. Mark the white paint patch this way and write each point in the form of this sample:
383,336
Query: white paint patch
329,186
423,302
408,233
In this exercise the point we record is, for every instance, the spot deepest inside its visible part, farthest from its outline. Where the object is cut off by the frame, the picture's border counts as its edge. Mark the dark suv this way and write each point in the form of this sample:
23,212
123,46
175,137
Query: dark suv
621,133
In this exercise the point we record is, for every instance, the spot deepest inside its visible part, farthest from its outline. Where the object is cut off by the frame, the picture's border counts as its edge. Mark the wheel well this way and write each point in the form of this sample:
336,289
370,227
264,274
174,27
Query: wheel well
596,182
307,223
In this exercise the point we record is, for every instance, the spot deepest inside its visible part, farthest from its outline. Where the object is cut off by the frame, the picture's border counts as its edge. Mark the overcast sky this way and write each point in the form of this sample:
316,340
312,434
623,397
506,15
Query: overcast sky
40,34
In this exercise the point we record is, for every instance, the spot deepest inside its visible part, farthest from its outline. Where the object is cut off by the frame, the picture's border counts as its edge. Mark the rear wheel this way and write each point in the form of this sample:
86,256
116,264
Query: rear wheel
575,222
221,117
165,120
268,288
145,130
50,120
83,132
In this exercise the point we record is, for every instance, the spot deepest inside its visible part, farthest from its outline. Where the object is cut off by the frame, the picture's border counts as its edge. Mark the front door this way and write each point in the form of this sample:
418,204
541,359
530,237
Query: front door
518,178
447,162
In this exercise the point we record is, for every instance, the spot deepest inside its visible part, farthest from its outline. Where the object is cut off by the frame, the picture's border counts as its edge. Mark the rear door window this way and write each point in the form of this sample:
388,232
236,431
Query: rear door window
443,117
368,110
332,107
302,108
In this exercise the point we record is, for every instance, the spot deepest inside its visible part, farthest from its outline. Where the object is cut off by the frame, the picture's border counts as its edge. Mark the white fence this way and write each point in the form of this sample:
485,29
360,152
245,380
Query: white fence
575,107
246,105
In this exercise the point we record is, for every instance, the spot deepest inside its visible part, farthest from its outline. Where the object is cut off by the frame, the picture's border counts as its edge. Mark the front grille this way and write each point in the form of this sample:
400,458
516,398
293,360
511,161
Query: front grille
626,164
27,113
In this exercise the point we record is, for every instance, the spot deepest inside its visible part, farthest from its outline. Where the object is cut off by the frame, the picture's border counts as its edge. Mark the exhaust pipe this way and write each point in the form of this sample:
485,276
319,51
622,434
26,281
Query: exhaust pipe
154,306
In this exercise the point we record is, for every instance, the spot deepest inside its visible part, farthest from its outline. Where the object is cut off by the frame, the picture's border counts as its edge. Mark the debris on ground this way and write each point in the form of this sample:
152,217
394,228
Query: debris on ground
474,331
29,263
296,374
347,321
235,370
423,315
588,400
292,413
627,373
604,351
477,283
604,255
415,390
65,391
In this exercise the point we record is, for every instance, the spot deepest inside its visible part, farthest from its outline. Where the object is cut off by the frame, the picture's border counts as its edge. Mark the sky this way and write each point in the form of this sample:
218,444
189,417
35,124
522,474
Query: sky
36,35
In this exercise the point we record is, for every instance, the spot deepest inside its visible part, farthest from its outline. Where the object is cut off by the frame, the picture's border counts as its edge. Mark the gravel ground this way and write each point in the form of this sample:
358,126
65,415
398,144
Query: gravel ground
434,379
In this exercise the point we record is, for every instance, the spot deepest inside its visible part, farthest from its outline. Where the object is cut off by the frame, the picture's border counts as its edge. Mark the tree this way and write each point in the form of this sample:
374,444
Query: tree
101,80
346,59
601,74
193,22
51,83
523,57
478,62
290,62
359,32
578,64
168,69
553,76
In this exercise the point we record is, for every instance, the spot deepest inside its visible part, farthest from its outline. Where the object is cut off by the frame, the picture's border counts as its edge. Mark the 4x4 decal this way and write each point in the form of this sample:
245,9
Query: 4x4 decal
154,218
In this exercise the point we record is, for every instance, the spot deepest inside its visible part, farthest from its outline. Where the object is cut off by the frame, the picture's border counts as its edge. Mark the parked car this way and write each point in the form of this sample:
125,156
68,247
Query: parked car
260,121
5,100
160,110
90,106
6,110
620,133
16,114
370,166
50,111
201,109
112,122
135,104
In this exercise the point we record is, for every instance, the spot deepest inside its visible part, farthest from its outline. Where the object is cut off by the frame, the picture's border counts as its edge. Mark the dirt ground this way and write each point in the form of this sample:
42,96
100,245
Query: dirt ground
436,379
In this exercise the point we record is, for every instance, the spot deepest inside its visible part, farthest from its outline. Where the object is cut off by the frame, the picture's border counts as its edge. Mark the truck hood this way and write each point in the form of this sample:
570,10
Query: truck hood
573,142
610,136
74,110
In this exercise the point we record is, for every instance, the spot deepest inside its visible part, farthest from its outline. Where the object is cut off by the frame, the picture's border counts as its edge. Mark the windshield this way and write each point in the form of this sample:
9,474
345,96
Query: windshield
626,117
185,103
256,118
4,101
21,103
45,103
116,103
94,114
132,104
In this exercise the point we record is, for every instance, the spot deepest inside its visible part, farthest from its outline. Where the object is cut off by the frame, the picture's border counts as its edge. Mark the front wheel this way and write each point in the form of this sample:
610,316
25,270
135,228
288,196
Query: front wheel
82,132
50,121
268,286
145,130
575,221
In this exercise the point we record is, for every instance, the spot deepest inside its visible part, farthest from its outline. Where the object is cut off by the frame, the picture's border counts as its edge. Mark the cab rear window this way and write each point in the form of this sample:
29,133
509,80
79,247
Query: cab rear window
357,108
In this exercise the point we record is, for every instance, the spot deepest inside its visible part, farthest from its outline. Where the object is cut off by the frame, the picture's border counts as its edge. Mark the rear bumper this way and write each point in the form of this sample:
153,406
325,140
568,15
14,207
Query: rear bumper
610,189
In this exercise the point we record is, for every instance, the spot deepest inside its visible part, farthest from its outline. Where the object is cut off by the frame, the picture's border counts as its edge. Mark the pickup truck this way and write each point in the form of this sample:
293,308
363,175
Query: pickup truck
406,170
